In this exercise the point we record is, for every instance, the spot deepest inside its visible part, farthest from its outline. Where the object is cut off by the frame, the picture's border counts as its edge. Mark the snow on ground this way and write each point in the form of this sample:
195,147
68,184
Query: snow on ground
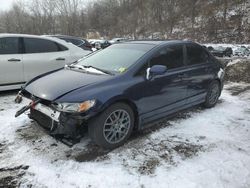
235,61
197,148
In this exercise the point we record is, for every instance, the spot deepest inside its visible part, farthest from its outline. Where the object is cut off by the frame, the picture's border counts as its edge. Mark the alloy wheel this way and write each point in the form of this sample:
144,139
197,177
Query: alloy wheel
116,126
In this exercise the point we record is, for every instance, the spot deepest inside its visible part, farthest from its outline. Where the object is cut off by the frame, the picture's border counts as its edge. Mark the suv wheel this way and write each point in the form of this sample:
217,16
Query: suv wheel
213,94
113,126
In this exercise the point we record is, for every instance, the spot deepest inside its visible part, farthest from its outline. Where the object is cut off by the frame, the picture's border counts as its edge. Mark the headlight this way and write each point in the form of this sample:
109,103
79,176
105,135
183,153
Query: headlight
75,107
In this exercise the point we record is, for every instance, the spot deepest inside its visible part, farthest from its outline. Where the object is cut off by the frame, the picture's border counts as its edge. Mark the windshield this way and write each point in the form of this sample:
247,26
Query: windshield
116,58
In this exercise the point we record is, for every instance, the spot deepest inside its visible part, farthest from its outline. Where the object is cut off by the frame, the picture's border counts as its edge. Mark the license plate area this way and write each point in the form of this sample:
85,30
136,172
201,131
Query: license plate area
54,115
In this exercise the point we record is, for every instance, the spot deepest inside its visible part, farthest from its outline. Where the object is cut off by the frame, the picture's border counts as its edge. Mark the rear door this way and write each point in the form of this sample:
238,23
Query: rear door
42,55
11,61
199,72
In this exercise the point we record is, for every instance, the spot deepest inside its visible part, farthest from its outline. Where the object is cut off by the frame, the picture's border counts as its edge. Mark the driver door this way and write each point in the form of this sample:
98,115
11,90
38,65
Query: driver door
163,94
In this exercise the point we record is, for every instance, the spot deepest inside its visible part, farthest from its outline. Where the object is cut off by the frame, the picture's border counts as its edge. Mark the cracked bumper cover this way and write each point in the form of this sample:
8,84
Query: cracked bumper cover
69,125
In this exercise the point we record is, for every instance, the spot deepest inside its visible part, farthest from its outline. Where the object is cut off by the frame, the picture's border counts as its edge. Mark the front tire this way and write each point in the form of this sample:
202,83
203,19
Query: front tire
213,94
113,126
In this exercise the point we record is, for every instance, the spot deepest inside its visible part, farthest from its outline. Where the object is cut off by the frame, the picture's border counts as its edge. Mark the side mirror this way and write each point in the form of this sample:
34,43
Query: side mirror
155,70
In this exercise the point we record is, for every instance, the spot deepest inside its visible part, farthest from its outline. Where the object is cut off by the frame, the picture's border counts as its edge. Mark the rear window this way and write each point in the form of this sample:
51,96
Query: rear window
34,45
9,45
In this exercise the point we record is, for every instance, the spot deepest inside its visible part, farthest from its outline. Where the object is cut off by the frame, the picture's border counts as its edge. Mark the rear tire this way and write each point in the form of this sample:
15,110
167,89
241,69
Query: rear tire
213,94
113,126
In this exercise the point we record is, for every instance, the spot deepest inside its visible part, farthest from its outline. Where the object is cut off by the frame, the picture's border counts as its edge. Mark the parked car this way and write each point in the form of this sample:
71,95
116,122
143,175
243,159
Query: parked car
124,88
82,43
117,40
23,57
99,44
221,51
241,51
210,48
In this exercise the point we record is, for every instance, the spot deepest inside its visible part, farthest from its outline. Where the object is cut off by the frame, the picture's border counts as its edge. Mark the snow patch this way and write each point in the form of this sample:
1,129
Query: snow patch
199,148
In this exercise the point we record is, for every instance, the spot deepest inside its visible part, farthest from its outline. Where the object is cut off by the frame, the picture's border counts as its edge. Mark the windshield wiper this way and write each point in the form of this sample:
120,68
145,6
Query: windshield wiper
85,67
99,69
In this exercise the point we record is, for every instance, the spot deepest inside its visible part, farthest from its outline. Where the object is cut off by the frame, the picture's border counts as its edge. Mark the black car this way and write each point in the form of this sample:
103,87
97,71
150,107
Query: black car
124,88
221,51
82,43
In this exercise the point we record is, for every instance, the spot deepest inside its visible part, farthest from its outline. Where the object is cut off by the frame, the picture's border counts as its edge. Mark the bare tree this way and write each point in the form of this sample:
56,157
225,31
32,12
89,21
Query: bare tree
216,20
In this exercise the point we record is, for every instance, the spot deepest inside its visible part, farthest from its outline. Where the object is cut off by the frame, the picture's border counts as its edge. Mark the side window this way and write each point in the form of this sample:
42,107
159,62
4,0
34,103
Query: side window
9,45
171,57
34,45
196,55
61,47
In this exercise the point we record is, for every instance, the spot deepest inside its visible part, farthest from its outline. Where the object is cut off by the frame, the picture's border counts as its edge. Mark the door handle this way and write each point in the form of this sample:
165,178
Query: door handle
14,60
60,59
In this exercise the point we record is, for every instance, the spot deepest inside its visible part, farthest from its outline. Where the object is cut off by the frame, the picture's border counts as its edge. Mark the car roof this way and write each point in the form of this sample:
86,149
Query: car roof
18,35
48,37
27,35
159,42
66,36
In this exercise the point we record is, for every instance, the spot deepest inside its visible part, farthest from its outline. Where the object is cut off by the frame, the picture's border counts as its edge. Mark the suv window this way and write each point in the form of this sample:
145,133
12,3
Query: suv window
9,45
171,57
196,55
34,45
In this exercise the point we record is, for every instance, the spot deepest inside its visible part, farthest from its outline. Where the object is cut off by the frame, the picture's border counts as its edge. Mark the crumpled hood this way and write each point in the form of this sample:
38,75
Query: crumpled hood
56,84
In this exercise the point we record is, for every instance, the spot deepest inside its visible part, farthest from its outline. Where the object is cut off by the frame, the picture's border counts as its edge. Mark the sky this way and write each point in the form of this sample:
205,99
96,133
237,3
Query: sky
5,4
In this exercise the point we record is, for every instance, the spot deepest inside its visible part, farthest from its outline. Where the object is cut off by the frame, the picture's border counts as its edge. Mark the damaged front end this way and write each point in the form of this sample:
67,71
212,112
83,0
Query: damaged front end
66,121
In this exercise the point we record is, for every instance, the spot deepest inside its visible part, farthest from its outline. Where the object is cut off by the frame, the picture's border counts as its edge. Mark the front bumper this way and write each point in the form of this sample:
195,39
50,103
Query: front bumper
66,125
59,124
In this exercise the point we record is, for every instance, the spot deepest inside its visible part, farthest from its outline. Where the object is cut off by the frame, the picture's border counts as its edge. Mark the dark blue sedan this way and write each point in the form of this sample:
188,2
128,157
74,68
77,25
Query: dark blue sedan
122,88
